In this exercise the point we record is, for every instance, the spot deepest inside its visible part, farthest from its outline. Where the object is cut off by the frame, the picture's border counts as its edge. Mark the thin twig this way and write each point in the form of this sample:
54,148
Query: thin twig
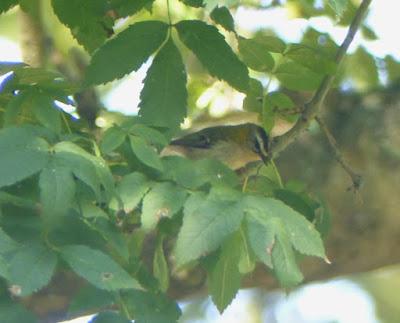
355,178
312,107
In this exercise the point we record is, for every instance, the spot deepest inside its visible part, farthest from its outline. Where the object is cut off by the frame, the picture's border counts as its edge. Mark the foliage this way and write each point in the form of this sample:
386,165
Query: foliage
86,199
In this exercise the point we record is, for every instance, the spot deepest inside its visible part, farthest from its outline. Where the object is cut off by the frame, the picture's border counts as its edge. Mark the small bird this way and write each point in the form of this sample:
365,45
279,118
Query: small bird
235,145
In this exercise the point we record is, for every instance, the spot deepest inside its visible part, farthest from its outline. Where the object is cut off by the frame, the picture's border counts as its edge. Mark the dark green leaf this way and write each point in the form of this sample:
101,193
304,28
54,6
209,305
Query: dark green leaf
112,139
255,55
163,98
22,154
213,52
163,201
206,227
128,7
41,262
145,153
7,4
152,136
127,51
109,317
223,17
86,20
97,268
271,43
297,202
88,299
4,268
296,77
57,189
160,267
151,308
193,3
224,278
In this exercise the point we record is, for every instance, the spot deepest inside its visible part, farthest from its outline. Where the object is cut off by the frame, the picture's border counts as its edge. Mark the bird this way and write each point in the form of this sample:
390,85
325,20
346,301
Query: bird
234,145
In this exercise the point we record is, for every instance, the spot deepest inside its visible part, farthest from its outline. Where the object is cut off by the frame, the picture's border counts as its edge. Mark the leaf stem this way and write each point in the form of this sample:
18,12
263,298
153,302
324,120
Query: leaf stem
277,174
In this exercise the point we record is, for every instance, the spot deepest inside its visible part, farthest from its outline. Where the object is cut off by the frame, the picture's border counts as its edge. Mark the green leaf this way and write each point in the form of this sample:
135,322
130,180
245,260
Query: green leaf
163,98
57,189
86,20
392,68
193,3
92,170
112,139
268,114
224,278
283,257
205,227
22,154
131,190
339,6
213,52
97,268
89,299
128,7
254,95
4,268
302,234
149,307
46,112
223,17
6,243
246,255
41,262
127,51
271,43
13,312
296,77
362,69
152,136
311,58
296,202
145,153
109,317
163,201
160,267
7,4
255,55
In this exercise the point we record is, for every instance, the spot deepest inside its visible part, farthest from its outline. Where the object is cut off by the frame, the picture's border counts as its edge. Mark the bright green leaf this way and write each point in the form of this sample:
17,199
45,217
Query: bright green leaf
86,20
145,153
246,255
41,262
362,69
223,17
97,268
392,68
57,189
22,154
46,112
254,95
224,278
163,201
255,55
163,98
271,43
213,52
339,6
206,227
127,51
160,267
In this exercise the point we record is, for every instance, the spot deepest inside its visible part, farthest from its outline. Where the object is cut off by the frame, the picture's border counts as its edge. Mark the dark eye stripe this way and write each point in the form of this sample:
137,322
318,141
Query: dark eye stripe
260,144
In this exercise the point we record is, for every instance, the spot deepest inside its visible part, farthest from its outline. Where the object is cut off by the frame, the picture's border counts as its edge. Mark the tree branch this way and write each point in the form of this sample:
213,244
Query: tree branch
312,107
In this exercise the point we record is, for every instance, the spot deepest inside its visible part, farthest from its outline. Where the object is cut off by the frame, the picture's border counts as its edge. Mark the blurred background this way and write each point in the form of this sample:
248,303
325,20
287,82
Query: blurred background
363,113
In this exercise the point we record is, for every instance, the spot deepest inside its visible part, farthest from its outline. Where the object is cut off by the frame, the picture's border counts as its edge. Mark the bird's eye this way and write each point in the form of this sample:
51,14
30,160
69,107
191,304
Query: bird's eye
256,147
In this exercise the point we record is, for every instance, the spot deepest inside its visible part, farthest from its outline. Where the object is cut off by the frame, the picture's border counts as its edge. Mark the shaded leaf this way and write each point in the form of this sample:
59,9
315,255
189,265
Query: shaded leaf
160,267
164,95
296,77
223,17
145,153
41,262
88,299
163,201
22,154
128,7
13,312
127,51
7,4
97,268
6,243
193,3
255,55
85,19
112,139
213,52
